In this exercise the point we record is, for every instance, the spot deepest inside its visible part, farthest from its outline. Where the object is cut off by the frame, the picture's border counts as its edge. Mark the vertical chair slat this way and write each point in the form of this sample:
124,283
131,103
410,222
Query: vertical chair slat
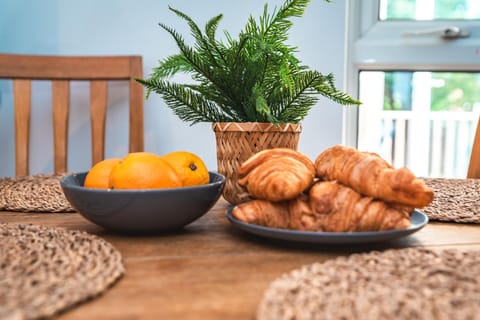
136,106
98,112
60,69
22,92
60,110
474,166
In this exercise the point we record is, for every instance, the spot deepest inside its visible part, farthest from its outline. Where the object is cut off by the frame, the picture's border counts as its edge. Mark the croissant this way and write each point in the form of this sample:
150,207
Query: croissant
276,174
329,207
291,214
369,174
339,208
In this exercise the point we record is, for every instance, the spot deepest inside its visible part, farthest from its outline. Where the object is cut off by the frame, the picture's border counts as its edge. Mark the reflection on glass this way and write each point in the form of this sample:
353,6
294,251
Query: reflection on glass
423,120
429,9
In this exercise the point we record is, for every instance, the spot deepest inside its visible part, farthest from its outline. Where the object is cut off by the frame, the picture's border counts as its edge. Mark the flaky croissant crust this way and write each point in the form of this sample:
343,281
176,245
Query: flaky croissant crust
263,155
329,207
369,174
341,209
354,191
276,174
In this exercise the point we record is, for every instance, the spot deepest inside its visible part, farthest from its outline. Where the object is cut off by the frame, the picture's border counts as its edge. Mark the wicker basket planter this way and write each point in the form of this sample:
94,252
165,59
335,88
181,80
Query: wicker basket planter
237,141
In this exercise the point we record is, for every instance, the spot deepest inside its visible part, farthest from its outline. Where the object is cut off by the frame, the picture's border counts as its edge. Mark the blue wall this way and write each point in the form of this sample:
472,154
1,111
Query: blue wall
92,27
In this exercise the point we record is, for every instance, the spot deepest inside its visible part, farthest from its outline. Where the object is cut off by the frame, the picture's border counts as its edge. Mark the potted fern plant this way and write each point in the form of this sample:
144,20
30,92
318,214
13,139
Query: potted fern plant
252,88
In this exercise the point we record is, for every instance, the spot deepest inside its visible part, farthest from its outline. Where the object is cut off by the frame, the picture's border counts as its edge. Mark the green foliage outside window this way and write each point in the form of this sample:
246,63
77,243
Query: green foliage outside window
459,91
443,9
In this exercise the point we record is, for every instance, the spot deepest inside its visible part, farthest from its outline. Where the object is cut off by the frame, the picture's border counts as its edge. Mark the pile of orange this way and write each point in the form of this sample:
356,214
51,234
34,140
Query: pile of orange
145,170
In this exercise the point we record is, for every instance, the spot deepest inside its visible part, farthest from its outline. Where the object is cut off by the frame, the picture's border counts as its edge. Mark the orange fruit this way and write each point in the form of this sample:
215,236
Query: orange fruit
139,154
189,167
99,174
143,170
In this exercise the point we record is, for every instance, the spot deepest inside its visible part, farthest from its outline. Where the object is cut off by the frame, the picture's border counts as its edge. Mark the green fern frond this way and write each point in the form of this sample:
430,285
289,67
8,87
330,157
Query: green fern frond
171,65
188,105
254,77
197,61
203,43
212,26
325,86
279,23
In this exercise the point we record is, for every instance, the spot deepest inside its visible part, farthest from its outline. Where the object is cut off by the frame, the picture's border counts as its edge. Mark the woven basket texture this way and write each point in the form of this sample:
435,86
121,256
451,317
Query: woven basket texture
236,142
45,271
35,193
412,283
456,200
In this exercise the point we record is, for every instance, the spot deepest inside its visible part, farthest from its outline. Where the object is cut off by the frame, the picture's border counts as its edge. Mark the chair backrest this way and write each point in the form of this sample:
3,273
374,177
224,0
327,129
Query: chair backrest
474,166
60,70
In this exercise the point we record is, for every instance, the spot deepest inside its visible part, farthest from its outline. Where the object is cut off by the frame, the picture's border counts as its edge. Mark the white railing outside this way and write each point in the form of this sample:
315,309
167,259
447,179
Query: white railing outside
447,151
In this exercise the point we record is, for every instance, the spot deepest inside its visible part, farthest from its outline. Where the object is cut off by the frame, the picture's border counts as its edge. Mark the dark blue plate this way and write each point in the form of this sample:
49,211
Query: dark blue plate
418,220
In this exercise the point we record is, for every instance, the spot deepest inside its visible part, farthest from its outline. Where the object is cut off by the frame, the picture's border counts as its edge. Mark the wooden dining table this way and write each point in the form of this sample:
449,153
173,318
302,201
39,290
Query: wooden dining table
212,270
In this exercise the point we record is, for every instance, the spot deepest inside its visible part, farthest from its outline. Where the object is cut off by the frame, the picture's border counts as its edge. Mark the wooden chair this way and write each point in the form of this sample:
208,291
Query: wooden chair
474,166
98,70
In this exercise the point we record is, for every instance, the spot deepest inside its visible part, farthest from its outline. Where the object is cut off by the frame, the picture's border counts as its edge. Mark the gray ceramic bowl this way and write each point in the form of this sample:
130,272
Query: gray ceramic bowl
136,211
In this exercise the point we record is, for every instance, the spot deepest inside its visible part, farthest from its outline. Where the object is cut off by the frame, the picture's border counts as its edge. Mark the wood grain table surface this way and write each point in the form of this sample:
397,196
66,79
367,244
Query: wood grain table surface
210,269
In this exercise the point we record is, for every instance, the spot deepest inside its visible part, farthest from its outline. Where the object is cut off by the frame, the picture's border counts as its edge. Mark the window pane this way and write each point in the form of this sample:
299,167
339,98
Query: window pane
429,9
423,120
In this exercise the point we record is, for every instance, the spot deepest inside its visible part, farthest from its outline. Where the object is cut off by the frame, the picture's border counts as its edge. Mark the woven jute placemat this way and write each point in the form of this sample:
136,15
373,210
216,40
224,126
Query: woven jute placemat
411,283
46,270
455,200
35,193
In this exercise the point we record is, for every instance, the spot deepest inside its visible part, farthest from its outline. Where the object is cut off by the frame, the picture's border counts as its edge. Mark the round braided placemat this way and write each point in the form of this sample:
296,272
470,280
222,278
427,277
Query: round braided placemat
413,283
45,270
455,200
36,193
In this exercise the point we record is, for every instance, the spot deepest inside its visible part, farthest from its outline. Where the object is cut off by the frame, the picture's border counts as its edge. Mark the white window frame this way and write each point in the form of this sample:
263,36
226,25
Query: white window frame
381,45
